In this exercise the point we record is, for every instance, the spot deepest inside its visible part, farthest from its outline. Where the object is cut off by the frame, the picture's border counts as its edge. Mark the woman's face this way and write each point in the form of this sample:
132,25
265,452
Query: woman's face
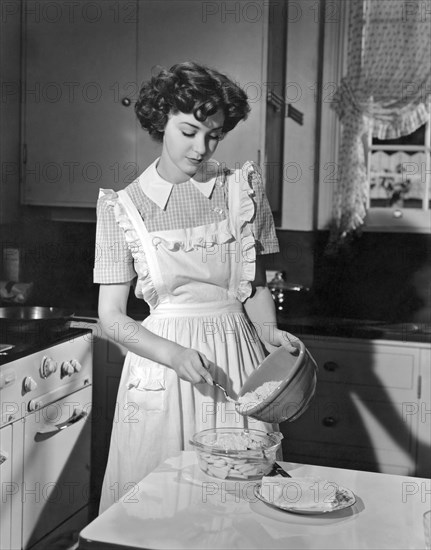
187,143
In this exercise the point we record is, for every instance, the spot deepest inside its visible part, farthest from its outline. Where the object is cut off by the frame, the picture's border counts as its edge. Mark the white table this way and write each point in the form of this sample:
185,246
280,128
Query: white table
177,506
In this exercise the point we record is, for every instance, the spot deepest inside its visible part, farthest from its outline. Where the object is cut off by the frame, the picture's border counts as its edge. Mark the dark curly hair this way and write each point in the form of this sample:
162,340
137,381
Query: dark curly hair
189,88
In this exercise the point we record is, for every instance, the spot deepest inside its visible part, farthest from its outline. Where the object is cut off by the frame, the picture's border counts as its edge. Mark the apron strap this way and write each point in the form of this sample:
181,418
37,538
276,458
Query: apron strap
235,186
146,241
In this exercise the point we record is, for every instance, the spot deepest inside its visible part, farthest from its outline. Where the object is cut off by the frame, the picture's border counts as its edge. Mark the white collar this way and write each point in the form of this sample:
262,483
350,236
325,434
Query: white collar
159,190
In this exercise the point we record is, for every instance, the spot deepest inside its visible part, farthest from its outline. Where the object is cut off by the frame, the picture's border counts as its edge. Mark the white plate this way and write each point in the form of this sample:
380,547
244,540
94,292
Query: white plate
345,499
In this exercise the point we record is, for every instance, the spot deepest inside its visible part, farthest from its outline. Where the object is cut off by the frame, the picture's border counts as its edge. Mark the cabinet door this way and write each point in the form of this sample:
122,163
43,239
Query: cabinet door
360,418
108,363
57,464
79,63
226,35
7,482
422,411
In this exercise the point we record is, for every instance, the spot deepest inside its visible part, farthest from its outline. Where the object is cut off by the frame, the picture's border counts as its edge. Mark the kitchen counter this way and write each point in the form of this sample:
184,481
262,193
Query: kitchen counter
333,326
178,506
356,328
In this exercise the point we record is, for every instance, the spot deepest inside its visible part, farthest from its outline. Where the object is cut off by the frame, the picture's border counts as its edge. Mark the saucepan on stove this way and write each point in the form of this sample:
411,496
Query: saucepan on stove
22,318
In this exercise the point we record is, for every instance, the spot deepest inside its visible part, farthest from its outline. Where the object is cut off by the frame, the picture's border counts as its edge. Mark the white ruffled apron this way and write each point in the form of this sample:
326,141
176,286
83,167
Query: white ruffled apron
194,281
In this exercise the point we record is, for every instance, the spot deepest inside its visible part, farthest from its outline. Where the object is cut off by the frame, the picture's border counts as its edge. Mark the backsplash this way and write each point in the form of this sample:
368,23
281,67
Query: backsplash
382,276
378,276
57,258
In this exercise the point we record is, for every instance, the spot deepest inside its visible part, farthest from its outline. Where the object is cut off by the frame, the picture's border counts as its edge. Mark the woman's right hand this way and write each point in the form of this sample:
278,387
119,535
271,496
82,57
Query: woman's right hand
192,366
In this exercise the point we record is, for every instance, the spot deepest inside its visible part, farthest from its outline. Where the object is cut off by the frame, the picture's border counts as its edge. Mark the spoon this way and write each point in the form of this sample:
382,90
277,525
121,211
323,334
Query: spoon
228,398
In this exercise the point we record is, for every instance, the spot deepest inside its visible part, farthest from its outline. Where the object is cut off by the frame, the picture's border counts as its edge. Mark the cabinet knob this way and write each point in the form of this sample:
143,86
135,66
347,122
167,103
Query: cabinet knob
330,365
329,421
126,102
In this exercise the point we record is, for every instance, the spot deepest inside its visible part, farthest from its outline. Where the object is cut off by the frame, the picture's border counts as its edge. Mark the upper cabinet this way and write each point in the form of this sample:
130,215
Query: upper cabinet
77,134
83,66
229,36
9,112
306,23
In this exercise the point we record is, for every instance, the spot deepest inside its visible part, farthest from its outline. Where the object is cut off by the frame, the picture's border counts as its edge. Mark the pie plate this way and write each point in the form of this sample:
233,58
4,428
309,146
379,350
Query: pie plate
344,497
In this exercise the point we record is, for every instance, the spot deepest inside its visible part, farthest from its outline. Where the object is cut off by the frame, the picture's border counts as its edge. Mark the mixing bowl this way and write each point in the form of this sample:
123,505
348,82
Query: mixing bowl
281,388
236,453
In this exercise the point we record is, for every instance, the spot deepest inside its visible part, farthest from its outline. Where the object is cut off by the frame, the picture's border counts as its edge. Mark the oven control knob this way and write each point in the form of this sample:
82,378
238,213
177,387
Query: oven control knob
34,405
48,366
76,365
67,368
29,384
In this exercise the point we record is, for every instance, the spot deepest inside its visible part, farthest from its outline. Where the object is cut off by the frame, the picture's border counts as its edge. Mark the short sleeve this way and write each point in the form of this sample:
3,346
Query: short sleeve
113,261
263,223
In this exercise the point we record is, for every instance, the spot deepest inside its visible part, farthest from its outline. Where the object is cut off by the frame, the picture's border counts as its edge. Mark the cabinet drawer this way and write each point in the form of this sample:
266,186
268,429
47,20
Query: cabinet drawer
349,431
349,420
378,370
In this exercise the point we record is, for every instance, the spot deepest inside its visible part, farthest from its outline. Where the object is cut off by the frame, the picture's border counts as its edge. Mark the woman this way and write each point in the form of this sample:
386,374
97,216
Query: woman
192,234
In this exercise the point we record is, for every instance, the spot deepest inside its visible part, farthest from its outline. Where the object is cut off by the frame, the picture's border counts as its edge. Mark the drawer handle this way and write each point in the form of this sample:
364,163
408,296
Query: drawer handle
329,421
330,366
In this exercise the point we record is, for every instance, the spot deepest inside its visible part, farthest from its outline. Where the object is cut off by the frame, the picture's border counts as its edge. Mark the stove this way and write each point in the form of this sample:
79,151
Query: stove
16,343
45,434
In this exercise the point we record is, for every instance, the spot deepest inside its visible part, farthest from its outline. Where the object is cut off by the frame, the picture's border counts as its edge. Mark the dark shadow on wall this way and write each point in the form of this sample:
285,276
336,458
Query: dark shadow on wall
353,422
377,276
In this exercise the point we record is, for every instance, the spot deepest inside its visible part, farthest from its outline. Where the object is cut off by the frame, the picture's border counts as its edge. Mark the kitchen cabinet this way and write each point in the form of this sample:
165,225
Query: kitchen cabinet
306,26
423,410
7,481
369,412
77,135
108,359
228,35
10,61
83,65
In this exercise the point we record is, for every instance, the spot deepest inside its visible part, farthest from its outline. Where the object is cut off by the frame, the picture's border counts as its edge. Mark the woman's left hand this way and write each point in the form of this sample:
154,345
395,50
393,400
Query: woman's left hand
282,338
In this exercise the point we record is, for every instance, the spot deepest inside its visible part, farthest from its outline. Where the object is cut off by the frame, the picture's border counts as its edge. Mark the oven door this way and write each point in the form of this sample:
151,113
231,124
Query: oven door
7,484
56,464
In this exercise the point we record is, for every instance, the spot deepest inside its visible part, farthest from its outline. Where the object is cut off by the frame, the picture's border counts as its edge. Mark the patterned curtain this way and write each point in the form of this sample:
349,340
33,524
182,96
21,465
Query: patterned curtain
387,88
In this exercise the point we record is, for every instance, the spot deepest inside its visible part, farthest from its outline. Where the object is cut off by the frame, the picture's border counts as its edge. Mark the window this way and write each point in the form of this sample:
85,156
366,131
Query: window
399,171
399,174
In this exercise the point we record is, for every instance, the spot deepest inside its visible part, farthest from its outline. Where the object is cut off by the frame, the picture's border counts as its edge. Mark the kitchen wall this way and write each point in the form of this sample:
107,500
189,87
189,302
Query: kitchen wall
383,276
